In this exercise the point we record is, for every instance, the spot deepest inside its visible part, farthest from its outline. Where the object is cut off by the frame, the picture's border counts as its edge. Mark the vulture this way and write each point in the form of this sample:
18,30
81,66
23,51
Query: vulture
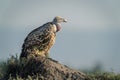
40,40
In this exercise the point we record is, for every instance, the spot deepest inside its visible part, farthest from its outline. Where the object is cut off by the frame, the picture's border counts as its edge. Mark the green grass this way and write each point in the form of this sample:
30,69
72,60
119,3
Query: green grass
9,70
104,76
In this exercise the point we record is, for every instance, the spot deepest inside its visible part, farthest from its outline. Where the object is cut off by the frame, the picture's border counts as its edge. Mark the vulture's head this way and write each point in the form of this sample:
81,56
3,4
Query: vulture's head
57,21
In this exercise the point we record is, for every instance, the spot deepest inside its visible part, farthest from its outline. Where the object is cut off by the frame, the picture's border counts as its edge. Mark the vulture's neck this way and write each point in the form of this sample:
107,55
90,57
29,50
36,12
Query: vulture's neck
58,26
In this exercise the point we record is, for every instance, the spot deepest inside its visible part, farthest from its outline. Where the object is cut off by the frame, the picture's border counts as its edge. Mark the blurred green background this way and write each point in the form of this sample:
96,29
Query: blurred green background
91,37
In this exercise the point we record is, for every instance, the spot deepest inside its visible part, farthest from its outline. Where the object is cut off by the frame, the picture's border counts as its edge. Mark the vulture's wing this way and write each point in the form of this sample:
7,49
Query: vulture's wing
39,37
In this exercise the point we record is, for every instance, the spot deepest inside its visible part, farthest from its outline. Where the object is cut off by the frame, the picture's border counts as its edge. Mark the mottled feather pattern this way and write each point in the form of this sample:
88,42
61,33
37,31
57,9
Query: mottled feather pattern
39,41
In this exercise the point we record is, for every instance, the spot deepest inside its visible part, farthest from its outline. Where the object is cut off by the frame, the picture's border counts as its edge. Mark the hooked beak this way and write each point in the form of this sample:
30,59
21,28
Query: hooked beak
65,20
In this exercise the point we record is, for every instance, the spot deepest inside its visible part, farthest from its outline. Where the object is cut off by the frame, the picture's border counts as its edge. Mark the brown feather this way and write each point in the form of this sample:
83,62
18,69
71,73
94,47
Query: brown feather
39,41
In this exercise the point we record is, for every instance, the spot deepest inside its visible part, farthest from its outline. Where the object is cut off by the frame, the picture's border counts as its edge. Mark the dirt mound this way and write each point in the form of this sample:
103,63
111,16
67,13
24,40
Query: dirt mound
42,68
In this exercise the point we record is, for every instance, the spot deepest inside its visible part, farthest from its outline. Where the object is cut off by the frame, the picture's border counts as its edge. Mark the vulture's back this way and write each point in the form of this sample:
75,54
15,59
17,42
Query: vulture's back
39,41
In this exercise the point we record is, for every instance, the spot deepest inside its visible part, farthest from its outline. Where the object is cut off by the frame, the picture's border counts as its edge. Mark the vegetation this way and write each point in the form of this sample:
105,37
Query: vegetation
104,76
9,70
